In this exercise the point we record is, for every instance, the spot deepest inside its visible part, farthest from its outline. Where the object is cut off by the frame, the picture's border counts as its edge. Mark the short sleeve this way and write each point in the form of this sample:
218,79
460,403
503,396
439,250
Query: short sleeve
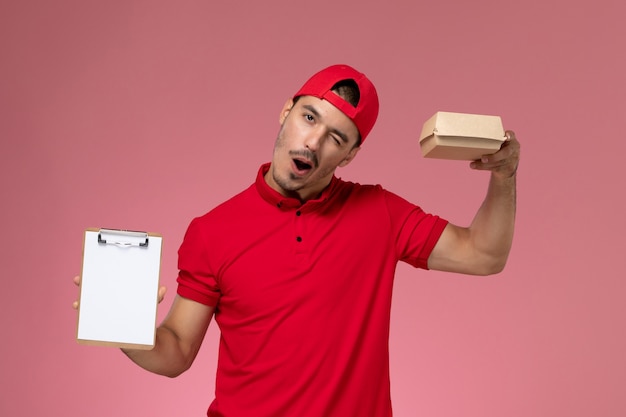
417,232
196,280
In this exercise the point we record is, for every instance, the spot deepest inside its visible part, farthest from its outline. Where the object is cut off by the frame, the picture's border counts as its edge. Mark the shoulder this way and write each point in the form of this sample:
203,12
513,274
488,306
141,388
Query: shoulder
222,216
354,189
230,207
373,199
371,193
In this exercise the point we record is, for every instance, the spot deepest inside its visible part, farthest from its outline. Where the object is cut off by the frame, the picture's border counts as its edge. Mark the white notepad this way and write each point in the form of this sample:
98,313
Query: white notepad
119,288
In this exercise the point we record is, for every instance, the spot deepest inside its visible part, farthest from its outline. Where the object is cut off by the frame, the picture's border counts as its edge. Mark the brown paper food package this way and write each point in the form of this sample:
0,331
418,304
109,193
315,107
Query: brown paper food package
461,136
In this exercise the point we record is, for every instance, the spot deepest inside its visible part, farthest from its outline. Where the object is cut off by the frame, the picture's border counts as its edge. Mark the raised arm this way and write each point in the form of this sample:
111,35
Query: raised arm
484,246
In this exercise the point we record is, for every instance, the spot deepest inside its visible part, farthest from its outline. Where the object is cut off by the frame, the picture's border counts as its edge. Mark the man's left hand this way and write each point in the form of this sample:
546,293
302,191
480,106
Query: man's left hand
504,162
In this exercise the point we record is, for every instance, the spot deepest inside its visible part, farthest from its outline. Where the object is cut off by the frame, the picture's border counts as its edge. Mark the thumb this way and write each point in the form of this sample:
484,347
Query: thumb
161,293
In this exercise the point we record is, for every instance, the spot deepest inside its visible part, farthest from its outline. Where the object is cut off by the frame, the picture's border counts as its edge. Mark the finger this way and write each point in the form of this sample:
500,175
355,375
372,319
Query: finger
493,161
495,158
161,294
509,135
487,163
77,282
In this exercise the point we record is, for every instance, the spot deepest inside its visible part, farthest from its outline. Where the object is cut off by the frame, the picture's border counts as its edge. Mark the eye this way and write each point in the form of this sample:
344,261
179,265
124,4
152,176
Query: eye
338,141
309,117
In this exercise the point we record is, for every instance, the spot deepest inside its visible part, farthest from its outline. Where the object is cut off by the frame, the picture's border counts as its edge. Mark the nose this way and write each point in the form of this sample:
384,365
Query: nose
314,139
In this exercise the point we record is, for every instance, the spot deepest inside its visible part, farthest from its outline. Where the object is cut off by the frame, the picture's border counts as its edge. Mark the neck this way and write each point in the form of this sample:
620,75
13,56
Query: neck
302,194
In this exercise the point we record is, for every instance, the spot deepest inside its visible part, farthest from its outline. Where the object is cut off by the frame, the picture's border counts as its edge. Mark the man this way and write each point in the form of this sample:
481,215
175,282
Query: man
298,268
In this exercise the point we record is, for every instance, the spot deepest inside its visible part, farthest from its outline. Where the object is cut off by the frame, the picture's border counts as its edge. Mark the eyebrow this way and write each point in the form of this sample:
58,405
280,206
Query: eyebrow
339,133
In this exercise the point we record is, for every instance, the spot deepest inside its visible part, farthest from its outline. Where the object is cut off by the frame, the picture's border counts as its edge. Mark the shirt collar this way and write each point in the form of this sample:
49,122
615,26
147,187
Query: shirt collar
275,198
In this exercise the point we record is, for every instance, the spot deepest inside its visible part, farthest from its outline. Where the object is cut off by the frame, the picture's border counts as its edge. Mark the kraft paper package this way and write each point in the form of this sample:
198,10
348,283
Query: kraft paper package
461,136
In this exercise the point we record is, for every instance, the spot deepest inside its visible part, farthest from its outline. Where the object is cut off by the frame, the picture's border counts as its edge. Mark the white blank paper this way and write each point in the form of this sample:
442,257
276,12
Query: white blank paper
118,291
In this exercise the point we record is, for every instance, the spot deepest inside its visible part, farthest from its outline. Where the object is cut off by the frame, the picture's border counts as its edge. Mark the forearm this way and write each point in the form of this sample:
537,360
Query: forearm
178,339
491,231
168,357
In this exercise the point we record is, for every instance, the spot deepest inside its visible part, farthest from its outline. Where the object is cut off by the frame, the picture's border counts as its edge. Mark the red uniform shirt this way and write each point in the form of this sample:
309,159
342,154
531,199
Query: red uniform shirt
302,296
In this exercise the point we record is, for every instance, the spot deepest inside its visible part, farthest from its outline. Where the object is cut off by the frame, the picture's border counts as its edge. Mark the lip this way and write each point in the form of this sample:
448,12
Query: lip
298,171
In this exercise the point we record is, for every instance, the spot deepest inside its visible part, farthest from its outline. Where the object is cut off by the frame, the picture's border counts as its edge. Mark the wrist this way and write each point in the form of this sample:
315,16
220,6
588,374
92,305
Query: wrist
504,179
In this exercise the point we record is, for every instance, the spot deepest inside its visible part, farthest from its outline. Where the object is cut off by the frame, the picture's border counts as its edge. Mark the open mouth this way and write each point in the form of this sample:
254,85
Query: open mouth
302,166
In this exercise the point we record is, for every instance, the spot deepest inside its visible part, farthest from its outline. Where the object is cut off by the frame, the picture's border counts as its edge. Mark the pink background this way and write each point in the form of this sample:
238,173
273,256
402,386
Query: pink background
144,114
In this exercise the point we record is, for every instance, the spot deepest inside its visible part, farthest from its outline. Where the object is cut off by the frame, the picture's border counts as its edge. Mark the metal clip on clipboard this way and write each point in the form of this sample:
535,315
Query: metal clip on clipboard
124,238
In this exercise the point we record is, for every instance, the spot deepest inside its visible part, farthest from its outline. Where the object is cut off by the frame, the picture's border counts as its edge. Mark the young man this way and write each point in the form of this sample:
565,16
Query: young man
298,268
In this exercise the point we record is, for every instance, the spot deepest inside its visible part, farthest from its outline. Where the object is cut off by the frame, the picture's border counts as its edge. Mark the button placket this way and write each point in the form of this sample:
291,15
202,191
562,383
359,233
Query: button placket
301,244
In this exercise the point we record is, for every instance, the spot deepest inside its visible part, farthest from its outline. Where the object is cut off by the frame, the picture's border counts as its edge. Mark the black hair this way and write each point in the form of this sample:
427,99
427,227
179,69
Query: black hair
348,90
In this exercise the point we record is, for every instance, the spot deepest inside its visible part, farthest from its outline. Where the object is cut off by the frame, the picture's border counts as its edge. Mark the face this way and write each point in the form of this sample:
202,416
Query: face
314,139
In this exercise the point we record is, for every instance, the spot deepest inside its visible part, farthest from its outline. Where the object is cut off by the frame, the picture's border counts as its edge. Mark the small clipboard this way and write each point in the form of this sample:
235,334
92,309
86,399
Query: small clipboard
119,288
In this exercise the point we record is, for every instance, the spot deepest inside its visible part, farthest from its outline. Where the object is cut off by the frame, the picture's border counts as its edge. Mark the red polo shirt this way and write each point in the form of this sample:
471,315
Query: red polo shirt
303,296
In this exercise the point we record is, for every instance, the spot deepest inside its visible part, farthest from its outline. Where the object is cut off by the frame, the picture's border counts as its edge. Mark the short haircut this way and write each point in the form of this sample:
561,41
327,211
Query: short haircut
348,90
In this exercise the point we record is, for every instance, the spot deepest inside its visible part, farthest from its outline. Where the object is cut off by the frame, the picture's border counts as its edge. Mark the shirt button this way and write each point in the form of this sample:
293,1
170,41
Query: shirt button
299,239
298,213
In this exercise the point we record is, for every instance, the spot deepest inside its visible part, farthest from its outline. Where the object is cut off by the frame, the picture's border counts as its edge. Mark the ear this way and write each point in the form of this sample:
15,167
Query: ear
285,111
350,156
